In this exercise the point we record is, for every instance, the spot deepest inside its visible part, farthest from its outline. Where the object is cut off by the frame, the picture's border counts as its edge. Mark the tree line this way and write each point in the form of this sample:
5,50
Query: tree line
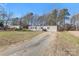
60,18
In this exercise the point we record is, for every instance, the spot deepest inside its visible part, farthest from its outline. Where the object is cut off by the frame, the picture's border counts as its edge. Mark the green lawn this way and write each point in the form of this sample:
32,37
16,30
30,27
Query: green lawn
11,37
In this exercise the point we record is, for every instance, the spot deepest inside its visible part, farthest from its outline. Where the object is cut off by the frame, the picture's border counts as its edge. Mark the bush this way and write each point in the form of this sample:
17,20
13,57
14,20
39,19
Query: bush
60,28
66,27
17,29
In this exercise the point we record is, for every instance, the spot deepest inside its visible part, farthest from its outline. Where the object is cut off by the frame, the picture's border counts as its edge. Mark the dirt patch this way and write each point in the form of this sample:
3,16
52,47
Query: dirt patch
75,33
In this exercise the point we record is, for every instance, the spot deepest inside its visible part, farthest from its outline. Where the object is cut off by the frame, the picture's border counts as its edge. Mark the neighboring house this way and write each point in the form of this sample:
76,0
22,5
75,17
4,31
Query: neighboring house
10,25
14,26
43,28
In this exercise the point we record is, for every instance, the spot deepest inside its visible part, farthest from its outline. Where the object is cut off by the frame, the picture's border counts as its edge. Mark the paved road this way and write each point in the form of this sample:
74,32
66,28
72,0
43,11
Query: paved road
38,46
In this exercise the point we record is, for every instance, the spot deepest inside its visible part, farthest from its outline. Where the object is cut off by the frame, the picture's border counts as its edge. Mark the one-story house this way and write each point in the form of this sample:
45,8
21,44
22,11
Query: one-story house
43,28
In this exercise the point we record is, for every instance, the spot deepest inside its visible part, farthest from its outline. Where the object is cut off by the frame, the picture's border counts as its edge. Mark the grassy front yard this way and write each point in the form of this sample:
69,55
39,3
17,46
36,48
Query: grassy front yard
11,37
67,44
66,36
